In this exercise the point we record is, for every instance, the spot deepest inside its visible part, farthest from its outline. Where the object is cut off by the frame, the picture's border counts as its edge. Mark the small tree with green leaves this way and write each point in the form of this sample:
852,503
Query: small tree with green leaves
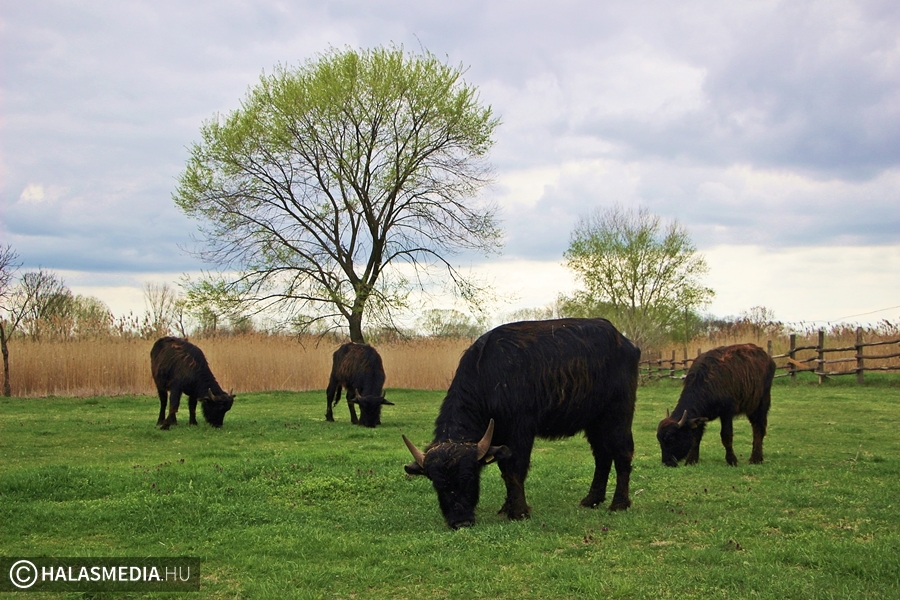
341,185
640,273
449,323
214,305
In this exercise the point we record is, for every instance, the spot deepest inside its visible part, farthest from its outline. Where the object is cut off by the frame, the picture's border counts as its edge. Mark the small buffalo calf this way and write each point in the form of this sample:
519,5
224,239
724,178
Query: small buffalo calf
722,383
179,366
358,368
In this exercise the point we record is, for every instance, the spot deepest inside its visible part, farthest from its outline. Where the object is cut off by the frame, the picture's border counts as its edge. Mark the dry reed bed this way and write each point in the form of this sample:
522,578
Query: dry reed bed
248,363
255,362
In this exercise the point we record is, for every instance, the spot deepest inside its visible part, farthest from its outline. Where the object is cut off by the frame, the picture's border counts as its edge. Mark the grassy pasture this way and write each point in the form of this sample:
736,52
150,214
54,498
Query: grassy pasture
281,504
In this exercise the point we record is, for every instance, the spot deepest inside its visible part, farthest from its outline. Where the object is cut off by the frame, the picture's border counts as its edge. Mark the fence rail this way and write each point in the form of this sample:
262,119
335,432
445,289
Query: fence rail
791,362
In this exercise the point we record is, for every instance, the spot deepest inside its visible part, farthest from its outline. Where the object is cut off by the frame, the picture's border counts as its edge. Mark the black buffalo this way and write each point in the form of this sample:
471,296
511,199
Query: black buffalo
180,367
722,383
358,368
550,379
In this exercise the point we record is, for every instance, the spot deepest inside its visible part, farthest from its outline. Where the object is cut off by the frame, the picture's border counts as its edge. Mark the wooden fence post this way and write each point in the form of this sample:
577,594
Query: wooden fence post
792,354
672,369
770,345
820,364
860,363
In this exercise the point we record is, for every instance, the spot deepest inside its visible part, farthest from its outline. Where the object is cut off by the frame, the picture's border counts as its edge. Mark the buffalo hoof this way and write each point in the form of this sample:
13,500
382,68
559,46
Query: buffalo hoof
461,524
515,513
620,504
592,501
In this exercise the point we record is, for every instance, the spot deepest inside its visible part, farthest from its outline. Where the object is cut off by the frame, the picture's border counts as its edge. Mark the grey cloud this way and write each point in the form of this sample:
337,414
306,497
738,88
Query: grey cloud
101,101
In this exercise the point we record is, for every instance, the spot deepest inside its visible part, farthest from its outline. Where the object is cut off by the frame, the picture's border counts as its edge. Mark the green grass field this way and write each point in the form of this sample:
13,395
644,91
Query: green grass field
281,504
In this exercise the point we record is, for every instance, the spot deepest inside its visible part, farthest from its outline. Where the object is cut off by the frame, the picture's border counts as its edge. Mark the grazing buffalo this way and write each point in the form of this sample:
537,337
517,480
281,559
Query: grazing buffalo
722,383
358,368
180,367
550,379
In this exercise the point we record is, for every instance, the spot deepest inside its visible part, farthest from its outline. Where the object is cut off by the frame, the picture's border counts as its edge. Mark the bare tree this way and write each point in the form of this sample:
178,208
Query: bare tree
44,296
23,303
340,186
162,309
9,319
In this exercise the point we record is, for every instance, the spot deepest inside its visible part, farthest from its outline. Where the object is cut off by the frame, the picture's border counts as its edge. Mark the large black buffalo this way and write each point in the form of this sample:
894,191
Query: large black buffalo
358,368
180,367
722,383
550,379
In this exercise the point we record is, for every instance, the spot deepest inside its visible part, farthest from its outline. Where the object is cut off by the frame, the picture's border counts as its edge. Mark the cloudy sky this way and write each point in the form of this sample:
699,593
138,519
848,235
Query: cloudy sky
770,130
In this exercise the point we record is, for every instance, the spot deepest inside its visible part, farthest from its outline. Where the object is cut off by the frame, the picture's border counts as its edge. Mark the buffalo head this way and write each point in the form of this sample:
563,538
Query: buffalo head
370,409
215,406
676,438
454,469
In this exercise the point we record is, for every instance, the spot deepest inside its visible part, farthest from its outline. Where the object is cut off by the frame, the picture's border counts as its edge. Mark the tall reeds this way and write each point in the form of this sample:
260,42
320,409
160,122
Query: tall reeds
244,363
110,366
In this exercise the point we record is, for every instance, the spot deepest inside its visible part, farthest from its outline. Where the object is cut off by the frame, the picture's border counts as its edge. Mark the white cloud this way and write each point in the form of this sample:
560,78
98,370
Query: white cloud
33,193
810,284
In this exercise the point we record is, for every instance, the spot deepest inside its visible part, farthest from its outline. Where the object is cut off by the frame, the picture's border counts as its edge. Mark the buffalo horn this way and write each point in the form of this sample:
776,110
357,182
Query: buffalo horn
667,413
485,444
417,454
683,420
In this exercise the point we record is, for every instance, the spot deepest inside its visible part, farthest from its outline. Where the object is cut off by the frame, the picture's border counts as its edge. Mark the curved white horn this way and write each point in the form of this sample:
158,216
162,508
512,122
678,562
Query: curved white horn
485,444
417,454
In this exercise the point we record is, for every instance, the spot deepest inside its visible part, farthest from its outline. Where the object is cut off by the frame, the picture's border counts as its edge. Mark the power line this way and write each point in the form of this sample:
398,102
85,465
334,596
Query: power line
859,315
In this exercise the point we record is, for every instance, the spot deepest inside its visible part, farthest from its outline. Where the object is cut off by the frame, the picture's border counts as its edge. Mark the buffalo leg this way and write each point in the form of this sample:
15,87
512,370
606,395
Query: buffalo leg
608,448
351,395
693,455
174,402
728,440
514,470
333,396
163,400
758,424
192,409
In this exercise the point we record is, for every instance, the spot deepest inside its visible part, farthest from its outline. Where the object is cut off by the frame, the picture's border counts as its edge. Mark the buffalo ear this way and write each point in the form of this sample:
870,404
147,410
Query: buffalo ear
413,469
698,421
496,453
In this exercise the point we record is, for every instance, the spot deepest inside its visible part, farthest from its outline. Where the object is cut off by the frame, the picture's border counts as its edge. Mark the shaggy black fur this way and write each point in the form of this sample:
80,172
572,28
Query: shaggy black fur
548,379
179,367
722,383
358,368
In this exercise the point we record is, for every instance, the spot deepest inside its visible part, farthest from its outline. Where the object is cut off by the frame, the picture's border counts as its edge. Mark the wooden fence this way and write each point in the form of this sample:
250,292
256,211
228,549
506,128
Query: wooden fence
794,361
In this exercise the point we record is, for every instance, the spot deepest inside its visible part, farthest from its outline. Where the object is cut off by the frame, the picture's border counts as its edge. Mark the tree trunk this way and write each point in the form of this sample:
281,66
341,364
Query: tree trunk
355,323
7,389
